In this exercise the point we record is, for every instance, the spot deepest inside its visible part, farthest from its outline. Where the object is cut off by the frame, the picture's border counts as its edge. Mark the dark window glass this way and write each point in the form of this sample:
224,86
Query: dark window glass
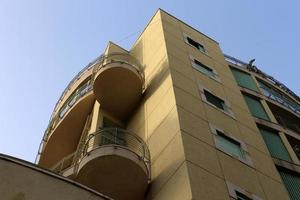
244,80
275,145
256,108
241,196
195,44
219,103
292,184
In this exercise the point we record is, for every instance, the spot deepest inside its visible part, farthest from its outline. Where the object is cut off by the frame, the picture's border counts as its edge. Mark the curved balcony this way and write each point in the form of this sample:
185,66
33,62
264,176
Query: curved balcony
118,84
71,84
116,163
66,125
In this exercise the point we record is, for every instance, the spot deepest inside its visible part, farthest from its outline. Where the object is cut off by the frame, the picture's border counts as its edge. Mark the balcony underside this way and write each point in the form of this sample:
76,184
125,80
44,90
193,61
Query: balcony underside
118,88
115,171
65,136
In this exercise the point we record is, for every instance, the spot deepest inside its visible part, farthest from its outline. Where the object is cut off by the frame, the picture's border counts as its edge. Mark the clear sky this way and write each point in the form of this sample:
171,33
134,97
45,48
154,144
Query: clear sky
43,44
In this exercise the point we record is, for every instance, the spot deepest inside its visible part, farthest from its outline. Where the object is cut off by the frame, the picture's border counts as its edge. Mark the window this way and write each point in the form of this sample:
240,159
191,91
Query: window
239,193
244,80
216,101
291,182
112,135
229,145
195,44
256,108
241,196
203,68
275,144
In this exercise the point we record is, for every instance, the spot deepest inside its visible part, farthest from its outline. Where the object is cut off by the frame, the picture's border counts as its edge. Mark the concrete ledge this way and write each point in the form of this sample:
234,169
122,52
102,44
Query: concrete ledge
24,180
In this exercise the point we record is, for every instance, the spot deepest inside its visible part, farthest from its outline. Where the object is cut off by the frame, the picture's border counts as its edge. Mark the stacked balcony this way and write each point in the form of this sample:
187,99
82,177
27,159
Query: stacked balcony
118,84
112,161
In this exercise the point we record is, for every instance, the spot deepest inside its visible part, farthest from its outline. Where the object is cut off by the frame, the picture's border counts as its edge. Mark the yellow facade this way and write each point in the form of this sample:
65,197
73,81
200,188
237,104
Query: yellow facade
152,123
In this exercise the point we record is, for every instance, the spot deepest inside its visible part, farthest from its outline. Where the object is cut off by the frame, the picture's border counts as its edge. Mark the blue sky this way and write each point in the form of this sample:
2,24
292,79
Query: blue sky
43,44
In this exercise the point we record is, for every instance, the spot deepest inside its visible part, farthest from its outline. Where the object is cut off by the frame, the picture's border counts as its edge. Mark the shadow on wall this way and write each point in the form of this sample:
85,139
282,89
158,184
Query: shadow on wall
137,123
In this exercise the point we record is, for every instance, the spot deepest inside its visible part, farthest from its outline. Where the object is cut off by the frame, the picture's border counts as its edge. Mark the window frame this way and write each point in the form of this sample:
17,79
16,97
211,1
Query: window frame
259,100
201,47
252,78
228,111
214,76
246,159
233,190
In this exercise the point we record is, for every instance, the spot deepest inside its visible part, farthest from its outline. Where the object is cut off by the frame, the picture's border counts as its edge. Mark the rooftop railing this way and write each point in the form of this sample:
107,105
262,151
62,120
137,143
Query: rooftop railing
254,69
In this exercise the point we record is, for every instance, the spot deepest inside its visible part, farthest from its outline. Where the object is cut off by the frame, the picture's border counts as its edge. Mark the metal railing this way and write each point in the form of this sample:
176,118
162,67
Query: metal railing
259,72
120,138
280,98
287,124
79,74
96,65
64,164
80,92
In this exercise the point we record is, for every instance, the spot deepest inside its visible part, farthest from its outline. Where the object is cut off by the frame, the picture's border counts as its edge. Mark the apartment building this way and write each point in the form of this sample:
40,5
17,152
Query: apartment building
171,118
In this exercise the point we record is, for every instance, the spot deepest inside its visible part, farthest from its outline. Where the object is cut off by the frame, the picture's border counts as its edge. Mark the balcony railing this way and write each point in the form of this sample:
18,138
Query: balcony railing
280,98
119,138
85,69
120,58
80,92
64,164
287,124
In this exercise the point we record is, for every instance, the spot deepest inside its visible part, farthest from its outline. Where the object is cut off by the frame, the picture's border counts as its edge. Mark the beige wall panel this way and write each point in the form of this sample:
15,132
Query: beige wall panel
185,83
154,99
185,68
235,98
243,117
264,163
164,133
189,102
220,119
138,119
177,187
201,154
165,166
253,138
172,30
195,35
20,182
208,83
240,174
161,111
153,63
205,185
273,189
169,18
179,51
195,126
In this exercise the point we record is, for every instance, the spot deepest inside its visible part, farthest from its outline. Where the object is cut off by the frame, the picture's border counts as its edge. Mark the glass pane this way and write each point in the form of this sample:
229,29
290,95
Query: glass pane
244,80
292,184
214,100
203,68
256,108
241,196
230,146
275,145
195,44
